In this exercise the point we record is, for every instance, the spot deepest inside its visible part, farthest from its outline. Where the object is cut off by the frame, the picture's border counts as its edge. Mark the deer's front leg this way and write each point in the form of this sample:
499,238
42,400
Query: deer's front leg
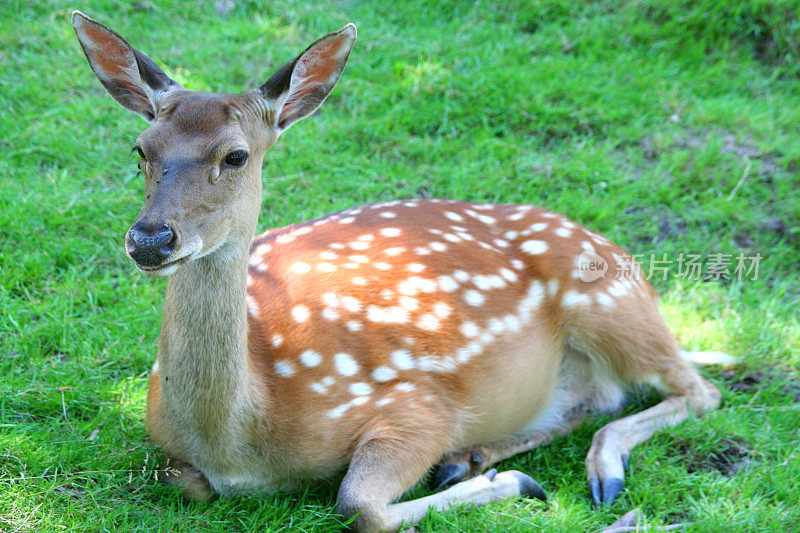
384,467
193,484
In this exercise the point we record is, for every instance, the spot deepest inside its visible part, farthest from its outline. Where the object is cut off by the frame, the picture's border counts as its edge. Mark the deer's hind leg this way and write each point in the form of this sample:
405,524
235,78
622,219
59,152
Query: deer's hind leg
393,457
633,342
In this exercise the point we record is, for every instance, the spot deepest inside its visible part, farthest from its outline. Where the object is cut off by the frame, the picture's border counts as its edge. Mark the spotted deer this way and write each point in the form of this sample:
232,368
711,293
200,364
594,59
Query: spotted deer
383,339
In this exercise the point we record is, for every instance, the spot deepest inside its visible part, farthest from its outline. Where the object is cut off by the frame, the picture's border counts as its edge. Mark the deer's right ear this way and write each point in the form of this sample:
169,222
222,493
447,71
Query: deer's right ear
128,75
299,87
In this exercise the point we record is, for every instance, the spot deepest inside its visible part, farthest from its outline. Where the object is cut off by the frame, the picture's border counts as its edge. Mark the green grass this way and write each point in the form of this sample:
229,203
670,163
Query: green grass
668,126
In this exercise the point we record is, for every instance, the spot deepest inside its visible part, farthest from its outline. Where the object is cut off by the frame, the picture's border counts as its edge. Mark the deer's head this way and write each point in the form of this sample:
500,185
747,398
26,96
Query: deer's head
201,155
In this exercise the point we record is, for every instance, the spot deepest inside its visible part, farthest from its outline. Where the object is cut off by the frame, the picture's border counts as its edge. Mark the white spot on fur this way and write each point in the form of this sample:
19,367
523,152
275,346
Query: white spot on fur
617,289
453,216
285,238
284,368
405,387
428,322
252,306
300,313
604,299
360,400
416,267
383,402
442,310
496,326
511,323
326,267
532,300
516,216
337,412
465,353
534,247
501,243
470,329
508,275
358,245
390,232
347,220
510,235
353,325
351,303
409,303
276,340
539,226
573,298
310,358
552,287
330,299
438,246
461,276
384,373
420,250
447,284
345,364
359,280
397,250
563,232
402,359
388,214
329,313
474,298
360,389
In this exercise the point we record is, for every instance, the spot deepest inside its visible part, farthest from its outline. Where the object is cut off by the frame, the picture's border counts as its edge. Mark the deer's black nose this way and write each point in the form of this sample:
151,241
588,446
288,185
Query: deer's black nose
150,245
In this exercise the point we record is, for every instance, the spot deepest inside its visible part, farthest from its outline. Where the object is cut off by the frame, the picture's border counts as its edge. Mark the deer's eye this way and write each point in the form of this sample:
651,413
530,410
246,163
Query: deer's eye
236,158
139,151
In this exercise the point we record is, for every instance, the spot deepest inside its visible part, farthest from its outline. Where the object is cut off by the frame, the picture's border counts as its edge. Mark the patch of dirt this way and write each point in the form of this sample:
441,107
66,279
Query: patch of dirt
749,382
670,225
731,456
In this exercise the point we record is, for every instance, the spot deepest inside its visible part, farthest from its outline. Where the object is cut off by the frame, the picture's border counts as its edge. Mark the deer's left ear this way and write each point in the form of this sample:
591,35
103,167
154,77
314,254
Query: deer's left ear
299,87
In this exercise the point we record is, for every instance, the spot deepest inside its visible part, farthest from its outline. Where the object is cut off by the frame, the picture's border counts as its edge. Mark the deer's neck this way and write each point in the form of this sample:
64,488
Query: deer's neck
203,344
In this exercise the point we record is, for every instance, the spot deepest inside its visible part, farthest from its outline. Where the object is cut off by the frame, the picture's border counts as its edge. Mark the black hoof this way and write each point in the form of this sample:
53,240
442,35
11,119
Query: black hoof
528,487
449,474
605,494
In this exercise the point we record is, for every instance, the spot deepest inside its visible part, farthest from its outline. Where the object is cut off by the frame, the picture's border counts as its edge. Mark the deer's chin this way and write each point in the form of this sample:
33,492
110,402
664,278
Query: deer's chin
165,269
162,271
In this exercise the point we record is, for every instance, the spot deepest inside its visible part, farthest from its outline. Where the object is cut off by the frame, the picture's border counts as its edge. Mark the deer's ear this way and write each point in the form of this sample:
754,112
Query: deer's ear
128,75
299,87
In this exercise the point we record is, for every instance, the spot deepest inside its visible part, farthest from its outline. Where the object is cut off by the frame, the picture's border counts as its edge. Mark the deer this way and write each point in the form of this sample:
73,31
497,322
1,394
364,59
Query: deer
382,340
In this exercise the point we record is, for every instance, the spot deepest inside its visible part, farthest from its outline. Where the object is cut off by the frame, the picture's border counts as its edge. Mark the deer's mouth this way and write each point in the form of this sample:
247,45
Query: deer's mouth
164,269
168,267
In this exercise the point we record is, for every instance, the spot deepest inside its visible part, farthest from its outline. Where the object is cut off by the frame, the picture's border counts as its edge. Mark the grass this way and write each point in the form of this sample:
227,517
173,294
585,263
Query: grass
670,127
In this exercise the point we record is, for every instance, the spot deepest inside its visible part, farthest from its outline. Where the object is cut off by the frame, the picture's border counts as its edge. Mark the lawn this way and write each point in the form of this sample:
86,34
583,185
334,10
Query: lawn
670,127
